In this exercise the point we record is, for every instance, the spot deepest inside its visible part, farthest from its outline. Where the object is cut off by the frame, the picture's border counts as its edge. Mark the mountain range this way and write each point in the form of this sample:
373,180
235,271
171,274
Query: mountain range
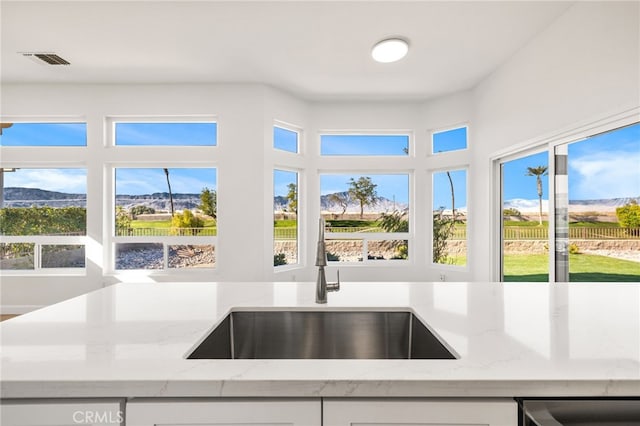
27,197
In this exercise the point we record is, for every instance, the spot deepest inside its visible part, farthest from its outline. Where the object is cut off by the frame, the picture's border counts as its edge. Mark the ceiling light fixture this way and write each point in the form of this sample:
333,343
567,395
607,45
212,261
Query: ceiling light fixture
390,50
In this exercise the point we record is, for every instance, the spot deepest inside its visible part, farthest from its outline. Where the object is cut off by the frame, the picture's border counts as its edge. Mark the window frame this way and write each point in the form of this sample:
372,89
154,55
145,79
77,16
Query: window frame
112,120
291,128
543,143
112,240
401,132
42,240
433,132
444,266
299,219
375,236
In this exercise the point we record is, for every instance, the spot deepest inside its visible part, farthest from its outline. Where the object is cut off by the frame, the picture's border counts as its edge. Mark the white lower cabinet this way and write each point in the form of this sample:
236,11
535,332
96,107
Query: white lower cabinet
224,412
62,412
419,412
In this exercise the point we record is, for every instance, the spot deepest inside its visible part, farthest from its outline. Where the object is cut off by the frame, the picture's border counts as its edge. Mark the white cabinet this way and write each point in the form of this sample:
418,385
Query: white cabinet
224,412
420,412
62,412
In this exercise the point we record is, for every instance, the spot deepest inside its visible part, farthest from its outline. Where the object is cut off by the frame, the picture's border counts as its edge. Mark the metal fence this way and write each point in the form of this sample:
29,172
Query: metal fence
166,232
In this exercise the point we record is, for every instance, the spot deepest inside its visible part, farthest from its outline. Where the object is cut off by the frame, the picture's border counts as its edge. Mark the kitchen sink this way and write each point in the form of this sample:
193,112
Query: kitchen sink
291,334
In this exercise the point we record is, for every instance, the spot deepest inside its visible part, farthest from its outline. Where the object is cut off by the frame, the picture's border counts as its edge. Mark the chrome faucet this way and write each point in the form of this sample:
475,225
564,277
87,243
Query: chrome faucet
322,286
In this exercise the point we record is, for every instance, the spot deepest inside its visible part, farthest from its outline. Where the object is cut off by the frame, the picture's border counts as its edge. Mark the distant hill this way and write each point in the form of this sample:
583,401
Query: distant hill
608,205
27,197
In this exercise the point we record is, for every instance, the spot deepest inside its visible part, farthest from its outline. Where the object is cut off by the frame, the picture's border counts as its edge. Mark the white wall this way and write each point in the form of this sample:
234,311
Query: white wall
583,68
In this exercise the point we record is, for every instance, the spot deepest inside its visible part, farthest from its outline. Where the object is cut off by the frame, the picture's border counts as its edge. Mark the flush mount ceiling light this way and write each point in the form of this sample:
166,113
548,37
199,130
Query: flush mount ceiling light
390,50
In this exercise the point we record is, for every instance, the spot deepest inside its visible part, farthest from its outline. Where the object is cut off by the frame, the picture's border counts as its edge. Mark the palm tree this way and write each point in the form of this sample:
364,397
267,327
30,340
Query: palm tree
166,172
537,172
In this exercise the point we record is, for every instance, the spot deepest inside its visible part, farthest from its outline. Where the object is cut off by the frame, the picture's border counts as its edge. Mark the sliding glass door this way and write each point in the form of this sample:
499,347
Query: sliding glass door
525,223
597,211
587,214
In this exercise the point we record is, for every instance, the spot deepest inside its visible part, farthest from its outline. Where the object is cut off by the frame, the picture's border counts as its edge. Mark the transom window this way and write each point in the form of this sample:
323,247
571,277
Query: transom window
359,144
166,133
43,134
449,140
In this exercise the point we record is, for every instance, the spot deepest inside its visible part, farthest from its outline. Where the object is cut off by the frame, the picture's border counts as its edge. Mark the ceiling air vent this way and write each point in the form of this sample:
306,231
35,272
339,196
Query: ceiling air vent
49,58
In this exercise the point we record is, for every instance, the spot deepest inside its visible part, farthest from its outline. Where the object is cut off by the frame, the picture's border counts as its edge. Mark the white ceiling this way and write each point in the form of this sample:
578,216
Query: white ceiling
316,50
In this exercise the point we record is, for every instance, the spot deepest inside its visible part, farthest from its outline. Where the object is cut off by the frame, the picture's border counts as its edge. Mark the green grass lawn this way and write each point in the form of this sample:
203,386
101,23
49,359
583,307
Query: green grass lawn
582,267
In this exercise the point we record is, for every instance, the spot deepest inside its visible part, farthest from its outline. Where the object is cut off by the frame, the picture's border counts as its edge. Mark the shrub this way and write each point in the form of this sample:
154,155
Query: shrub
279,259
183,220
574,249
629,216
141,209
511,212
43,220
332,257
123,222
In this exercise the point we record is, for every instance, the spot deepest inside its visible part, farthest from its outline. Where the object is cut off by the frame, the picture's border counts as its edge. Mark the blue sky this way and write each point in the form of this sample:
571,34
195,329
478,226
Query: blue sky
600,167
449,140
138,181
45,134
364,144
166,134
603,166
284,139
281,180
442,189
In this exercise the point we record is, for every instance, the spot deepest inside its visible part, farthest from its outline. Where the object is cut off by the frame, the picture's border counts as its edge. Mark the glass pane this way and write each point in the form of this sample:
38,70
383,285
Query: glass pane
450,217
16,256
44,202
166,202
603,206
139,256
284,139
387,249
43,134
285,217
192,256
63,256
344,250
525,189
364,145
449,140
166,134
371,203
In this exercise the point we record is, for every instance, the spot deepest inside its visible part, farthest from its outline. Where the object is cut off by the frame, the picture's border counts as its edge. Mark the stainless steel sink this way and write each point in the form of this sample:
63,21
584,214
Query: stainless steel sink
321,335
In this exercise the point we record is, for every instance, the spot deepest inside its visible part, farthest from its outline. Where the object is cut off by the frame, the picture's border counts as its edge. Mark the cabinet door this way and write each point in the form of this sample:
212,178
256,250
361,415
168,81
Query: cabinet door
420,412
62,412
224,412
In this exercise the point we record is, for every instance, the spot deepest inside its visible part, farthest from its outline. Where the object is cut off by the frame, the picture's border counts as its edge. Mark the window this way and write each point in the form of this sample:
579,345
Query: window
525,223
43,219
597,211
43,134
449,226
595,234
285,217
366,216
165,218
347,144
166,134
285,139
449,140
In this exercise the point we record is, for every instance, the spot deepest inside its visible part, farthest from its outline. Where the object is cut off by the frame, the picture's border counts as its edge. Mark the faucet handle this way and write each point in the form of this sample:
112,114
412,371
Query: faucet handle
334,286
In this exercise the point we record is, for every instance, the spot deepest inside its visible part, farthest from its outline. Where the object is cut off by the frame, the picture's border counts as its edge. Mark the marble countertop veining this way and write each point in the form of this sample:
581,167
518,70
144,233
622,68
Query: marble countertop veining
513,339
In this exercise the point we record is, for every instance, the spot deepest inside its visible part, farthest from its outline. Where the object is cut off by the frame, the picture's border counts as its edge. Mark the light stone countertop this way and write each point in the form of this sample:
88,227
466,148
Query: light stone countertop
513,339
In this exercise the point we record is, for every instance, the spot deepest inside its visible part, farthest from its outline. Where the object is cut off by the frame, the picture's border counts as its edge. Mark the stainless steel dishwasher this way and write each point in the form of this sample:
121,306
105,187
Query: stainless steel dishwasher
579,412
